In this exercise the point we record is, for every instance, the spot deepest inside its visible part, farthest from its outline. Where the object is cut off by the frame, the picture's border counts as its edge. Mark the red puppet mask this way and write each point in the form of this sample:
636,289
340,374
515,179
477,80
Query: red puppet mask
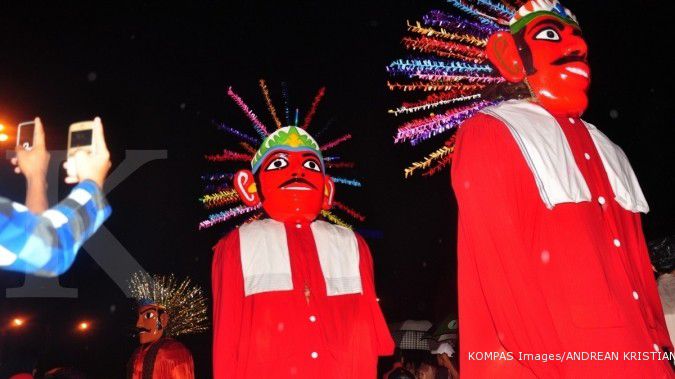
287,177
152,320
546,50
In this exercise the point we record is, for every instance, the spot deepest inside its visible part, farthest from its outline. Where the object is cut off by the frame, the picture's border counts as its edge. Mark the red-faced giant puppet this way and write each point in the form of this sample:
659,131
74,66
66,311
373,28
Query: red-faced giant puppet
551,257
294,296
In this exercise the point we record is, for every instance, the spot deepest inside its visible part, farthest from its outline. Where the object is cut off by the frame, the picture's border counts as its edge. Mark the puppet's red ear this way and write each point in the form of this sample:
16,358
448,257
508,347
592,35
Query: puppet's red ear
244,184
503,54
329,194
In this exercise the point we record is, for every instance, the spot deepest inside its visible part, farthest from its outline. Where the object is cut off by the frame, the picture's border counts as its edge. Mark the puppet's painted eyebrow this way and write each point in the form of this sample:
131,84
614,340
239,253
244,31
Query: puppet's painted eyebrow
559,25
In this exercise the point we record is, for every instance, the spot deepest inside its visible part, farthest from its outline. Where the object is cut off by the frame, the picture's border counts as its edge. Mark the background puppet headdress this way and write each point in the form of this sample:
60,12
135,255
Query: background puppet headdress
221,199
183,301
448,77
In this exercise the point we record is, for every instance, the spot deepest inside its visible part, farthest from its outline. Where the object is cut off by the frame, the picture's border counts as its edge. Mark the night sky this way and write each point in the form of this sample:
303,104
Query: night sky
157,75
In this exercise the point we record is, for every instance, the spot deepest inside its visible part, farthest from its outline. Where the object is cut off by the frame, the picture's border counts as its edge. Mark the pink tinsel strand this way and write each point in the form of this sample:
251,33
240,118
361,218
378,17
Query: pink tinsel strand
336,142
418,127
433,98
461,88
259,127
312,110
228,155
340,165
354,214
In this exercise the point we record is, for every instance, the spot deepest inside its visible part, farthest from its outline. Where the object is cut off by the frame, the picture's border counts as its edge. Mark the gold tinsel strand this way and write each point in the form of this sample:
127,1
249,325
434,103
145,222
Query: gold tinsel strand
335,220
428,160
228,196
184,302
270,105
442,33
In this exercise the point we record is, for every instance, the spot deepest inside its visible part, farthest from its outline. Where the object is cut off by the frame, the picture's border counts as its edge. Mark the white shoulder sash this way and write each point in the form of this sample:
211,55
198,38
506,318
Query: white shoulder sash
548,155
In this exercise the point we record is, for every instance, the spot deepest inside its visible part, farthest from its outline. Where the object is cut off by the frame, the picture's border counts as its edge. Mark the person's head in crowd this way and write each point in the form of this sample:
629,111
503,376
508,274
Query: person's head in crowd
426,371
662,255
401,373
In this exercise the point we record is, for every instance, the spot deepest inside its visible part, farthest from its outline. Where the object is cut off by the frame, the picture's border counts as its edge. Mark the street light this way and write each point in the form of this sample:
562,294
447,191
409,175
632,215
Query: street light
17,322
83,326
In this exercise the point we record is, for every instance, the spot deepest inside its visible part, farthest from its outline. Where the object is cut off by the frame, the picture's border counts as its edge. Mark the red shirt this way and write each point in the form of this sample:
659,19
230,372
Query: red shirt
281,334
573,279
174,361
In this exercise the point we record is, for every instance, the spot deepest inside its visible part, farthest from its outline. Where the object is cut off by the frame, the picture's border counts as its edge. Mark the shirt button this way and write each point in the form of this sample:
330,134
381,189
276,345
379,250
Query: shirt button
587,156
617,243
312,318
656,347
601,200
635,295
298,226
314,355
571,120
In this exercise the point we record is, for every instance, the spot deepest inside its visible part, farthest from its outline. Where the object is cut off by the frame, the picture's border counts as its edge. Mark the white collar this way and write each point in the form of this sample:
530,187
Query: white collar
266,264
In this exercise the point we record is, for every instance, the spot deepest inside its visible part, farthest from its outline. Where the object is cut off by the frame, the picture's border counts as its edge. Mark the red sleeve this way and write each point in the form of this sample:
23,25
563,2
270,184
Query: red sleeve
228,295
490,179
384,343
647,277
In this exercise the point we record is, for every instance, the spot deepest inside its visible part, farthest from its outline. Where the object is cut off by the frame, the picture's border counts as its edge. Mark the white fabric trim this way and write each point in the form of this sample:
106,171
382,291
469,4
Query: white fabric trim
339,258
626,188
266,265
547,153
265,261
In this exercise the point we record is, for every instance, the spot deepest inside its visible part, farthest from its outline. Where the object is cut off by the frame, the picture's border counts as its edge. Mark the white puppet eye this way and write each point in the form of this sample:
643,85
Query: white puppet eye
548,34
150,315
277,164
312,165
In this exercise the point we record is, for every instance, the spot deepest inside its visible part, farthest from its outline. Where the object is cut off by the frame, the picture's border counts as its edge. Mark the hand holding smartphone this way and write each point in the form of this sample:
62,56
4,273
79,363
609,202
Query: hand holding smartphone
88,156
25,135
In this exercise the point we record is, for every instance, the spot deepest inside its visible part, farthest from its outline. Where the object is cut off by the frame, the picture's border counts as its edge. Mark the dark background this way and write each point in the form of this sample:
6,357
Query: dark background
157,75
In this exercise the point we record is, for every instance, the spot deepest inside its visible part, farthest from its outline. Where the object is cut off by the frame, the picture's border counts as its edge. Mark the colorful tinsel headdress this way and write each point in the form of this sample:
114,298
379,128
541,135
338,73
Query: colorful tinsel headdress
448,77
221,197
184,302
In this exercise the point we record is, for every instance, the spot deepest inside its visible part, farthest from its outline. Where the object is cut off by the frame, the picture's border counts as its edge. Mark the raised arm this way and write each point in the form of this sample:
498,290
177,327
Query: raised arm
47,244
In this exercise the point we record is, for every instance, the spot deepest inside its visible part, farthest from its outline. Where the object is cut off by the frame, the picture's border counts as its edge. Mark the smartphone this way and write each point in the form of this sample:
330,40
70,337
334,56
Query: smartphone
24,134
80,137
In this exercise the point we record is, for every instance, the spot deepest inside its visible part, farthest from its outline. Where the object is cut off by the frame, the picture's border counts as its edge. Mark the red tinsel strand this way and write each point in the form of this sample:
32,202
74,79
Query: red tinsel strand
442,33
312,110
445,162
351,212
228,155
336,142
446,49
248,147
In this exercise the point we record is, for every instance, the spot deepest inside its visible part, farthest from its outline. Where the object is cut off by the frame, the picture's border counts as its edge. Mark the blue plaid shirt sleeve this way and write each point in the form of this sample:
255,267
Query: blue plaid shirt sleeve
46,244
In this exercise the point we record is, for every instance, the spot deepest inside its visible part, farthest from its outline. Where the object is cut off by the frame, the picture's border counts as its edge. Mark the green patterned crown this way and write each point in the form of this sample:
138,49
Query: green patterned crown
289,138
